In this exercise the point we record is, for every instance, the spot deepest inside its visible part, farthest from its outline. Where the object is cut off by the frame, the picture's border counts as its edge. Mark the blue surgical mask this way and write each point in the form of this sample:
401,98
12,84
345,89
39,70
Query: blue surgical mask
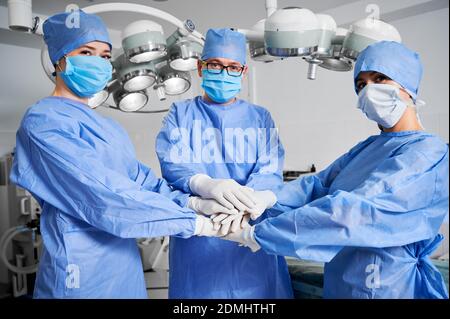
221,87
86,75
382,103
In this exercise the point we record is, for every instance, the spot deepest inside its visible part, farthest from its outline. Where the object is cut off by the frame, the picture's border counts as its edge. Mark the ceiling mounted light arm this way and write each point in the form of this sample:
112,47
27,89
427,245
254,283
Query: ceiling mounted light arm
187,26
271,7
252,35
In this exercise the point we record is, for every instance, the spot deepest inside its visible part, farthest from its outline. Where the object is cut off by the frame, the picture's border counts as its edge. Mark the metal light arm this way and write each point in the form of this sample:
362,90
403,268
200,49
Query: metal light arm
142,9
252,35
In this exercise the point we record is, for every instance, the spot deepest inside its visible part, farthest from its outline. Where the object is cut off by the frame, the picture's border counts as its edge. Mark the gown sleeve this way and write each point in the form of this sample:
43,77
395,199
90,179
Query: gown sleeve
268,171
56,165
175,153
403,201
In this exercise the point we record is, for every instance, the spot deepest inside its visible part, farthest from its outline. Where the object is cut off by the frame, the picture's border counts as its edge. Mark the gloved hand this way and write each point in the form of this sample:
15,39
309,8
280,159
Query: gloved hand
226,223
208,206
226,191
245,237
205,227
264,200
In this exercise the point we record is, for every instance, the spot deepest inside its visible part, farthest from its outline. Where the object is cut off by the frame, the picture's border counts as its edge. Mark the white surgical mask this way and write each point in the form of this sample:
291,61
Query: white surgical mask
382,103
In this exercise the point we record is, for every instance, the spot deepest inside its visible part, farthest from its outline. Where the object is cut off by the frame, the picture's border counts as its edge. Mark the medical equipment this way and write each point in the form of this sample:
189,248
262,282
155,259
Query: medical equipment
143,42
20,241
336,61
258,51
366,32
327,27
284,33
298,32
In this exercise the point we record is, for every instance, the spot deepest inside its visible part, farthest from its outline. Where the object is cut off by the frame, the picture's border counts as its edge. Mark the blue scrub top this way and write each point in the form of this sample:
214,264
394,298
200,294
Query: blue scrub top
237,141
96,198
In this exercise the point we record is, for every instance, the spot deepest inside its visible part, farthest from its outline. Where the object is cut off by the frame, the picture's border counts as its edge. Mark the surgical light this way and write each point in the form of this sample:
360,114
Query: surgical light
291,32
184,54
366,32
143,41
336,62
134,76
257,49
174,82
98,99
327,27
130,101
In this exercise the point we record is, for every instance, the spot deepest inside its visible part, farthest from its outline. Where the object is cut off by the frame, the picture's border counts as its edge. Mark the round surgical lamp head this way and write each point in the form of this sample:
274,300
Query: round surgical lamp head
130,101
143,41
98,99
366,32
291,32
134,76
184,54
327,27
174,82
336,62
257,50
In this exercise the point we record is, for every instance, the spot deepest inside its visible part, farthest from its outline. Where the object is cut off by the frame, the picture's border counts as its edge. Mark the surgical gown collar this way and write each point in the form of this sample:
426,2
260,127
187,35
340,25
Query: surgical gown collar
402,133
220,107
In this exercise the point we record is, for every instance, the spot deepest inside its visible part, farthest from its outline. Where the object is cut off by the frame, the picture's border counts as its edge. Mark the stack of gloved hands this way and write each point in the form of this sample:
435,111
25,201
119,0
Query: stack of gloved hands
225,208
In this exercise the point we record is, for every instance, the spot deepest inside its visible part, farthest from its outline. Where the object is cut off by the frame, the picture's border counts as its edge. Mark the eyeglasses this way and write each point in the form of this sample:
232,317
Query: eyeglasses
217,68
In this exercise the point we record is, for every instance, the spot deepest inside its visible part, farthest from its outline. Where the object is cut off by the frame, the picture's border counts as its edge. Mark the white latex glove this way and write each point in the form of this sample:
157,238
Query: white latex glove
245,237
205,227
226,223
226,191
264,200
209,206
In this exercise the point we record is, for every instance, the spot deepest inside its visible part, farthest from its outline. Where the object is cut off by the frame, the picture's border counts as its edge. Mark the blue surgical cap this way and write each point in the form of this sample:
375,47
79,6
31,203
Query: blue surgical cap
67,31
225,43
394,60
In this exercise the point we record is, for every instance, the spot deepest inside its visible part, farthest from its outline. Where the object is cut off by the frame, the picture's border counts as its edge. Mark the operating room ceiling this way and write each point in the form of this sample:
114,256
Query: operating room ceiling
242,13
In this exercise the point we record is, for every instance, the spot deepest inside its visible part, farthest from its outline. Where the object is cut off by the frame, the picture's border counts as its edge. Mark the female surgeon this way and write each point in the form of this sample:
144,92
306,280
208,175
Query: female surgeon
81,167
373,215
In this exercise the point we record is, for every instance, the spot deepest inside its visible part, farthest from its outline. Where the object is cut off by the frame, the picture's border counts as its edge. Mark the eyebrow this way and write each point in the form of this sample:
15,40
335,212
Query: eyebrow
93,49
370,74
217,61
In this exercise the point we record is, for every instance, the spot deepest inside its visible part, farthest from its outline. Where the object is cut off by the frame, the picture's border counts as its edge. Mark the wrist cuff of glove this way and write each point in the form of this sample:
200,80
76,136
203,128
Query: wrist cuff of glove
271,199
199,222
250,239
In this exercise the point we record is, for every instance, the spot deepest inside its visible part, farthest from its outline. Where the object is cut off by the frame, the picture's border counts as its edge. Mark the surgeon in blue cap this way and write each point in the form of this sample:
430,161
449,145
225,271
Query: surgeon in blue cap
96,197
374,214
220,147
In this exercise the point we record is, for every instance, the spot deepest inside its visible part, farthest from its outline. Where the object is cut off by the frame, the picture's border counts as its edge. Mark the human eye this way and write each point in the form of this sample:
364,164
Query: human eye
235,68
86,52
215,66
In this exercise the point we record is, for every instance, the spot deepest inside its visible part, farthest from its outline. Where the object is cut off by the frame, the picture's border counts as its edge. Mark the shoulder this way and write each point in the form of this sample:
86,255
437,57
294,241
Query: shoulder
47,114
429,146
363,144
179,110
259,111
183,105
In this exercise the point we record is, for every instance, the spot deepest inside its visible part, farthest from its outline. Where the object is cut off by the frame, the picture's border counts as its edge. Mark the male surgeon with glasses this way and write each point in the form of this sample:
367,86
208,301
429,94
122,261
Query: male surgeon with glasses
226,150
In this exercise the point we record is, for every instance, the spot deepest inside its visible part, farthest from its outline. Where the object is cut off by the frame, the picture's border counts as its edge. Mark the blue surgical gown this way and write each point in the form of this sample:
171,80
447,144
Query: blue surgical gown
372,216
197,138
96,198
